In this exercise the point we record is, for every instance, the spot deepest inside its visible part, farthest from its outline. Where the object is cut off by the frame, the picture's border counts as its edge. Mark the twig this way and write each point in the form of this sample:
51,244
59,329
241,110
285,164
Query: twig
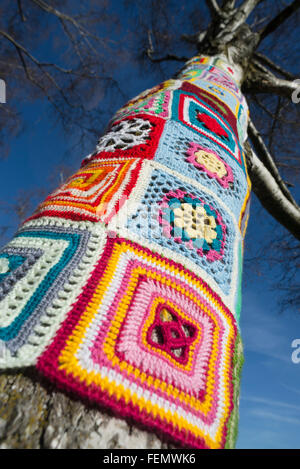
265,60
279,19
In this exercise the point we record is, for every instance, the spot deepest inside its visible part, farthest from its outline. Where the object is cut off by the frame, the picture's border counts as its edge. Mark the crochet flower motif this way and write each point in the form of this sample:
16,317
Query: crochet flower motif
207,160
190,220
195,221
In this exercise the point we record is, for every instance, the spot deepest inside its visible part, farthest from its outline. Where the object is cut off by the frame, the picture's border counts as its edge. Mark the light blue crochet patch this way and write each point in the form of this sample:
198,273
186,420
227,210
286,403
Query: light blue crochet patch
145,223
172,152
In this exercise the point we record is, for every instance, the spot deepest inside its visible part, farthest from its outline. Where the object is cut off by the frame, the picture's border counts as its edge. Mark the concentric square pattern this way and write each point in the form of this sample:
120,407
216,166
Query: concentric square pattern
154,340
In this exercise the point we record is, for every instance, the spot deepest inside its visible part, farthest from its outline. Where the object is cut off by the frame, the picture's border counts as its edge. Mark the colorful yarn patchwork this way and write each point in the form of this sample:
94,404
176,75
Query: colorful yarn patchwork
202,119
124,287
213,75
225,96
189,220
95,192
222,110
176,150
134,136
157,104
35,295
206,62
144,223
106,350
154,101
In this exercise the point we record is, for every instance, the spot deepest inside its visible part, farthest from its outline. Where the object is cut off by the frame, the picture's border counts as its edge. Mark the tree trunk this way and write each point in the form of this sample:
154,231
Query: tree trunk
71,331
34,414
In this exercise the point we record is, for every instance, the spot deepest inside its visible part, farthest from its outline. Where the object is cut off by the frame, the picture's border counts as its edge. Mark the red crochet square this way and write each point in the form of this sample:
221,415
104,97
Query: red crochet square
146,145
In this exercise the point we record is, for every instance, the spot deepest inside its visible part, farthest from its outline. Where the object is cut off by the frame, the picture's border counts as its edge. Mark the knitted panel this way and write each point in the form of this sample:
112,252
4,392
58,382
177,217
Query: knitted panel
124,285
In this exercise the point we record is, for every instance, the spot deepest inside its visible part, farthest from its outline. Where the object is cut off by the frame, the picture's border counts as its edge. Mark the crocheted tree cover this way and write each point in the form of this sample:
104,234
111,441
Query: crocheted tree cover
124,285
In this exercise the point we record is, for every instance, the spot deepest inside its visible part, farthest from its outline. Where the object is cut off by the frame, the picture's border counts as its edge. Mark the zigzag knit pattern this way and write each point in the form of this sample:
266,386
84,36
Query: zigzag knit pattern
124,285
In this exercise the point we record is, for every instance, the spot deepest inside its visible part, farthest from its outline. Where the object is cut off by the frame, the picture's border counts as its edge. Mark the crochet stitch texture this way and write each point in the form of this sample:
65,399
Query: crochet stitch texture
124,285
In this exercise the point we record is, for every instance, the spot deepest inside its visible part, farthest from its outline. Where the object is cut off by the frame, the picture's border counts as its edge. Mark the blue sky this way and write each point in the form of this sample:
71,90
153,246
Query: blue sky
270,391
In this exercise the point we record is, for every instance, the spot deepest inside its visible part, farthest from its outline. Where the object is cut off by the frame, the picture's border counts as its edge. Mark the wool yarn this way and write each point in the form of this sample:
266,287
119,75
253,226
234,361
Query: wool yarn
124,285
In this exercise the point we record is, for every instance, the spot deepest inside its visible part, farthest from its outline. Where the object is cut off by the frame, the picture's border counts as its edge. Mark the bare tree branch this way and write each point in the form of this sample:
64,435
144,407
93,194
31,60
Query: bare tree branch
248,6
275,119
279,86
215,9
224,30
276,68
64,17
268,162
21,52
21,13
270,195
150,51
167,57
241,14
262,80
228,5
279,19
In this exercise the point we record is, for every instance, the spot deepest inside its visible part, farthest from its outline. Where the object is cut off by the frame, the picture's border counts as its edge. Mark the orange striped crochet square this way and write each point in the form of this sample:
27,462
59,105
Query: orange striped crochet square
95,193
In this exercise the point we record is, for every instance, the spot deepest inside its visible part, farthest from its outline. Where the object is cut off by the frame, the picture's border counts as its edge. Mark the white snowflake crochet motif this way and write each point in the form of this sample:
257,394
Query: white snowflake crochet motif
124,135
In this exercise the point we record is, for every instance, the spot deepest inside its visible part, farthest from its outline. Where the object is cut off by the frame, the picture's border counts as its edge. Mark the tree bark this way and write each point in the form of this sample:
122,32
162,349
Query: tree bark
34,415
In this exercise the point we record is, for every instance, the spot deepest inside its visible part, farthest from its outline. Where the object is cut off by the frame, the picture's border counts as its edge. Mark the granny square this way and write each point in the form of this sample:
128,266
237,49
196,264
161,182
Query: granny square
197,157
194,113
154,101
133,136
42,270
95,192
150,340
185,221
